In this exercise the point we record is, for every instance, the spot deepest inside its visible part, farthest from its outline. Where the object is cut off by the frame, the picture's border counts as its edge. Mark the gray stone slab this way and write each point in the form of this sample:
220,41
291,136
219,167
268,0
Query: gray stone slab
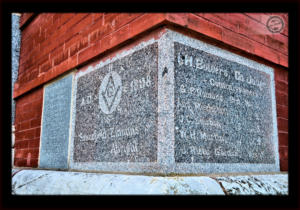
196,116
15,54
116,110
39,182
56,123
223,110
45,182
225,115
276,184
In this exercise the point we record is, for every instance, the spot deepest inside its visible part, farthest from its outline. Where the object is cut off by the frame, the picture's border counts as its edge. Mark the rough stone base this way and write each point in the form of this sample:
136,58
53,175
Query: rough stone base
253,185
44,182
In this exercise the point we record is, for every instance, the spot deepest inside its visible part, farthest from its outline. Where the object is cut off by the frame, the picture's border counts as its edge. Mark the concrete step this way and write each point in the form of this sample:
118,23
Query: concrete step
46,182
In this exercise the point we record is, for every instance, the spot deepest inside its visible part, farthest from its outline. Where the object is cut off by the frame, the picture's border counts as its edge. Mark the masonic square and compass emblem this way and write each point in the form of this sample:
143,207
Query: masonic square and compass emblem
110,92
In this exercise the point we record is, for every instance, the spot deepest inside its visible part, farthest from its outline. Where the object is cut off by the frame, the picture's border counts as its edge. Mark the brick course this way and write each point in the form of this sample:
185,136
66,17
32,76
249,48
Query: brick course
281,88
28,126
50,38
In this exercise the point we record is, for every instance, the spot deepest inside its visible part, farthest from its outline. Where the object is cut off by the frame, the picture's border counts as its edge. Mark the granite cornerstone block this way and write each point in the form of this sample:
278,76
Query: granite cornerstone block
223,110
175,105
56,124
116,110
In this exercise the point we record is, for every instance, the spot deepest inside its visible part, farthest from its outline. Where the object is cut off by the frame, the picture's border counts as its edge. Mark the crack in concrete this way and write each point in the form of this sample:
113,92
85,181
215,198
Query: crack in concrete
13,174
221,185
29,182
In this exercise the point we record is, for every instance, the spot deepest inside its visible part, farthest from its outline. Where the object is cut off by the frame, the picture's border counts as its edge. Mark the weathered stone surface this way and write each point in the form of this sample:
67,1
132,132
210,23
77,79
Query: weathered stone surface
14,171
55,182
225,115
56,124
175,105
15,53
27,182
223,110
116,110
256,184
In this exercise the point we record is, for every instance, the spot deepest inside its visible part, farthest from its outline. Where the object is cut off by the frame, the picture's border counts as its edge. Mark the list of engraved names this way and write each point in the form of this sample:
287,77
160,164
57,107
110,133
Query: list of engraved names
222,110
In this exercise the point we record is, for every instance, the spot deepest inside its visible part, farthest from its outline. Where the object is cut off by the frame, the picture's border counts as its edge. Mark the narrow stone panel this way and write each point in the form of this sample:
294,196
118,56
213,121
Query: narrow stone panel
56,124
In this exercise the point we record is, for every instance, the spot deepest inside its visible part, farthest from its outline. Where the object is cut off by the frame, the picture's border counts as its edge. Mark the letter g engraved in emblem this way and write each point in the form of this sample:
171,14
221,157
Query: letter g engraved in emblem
110,92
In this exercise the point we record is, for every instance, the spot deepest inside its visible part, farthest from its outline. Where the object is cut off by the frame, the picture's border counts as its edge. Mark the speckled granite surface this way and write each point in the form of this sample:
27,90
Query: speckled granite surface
56,123
15,53
223,110
116,110
174,105
168,105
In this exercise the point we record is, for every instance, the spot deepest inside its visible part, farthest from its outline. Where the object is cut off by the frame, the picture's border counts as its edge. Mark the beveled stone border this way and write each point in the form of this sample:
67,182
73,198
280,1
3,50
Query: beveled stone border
111,166
71,74
231,167
166,162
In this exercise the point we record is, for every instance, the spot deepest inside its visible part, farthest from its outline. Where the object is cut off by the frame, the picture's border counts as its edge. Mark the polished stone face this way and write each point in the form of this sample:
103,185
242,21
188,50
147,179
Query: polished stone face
223,110
56,124
116,110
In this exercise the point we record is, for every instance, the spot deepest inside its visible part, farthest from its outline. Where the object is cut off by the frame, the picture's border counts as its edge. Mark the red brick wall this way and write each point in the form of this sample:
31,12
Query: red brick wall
55,43
28,128
281,85
25,18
